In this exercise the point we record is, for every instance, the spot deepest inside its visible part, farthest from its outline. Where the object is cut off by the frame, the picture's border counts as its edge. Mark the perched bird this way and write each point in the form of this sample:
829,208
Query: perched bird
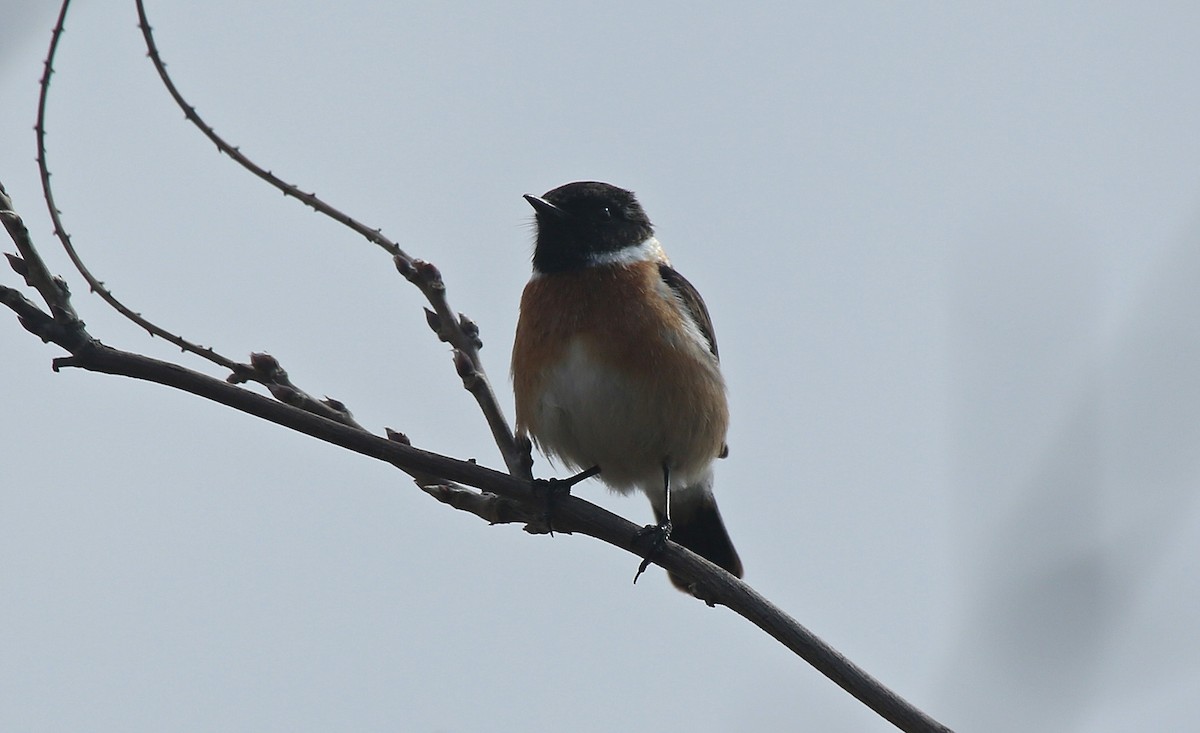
615,363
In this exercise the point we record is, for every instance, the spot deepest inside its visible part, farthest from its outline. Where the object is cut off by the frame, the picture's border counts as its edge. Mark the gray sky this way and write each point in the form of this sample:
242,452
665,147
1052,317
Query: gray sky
951,256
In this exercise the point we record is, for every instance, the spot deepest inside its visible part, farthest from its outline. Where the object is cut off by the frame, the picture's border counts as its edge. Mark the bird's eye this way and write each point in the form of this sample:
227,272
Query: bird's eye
606,214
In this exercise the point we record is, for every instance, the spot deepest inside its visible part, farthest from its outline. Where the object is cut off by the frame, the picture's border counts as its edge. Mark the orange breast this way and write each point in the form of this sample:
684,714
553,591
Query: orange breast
604,374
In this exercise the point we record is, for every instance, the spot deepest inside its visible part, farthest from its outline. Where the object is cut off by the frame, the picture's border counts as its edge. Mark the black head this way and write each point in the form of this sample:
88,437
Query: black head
578,221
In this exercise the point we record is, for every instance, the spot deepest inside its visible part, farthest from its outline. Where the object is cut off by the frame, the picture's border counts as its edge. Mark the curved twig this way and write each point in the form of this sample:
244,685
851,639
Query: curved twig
458,331
265,371
60,231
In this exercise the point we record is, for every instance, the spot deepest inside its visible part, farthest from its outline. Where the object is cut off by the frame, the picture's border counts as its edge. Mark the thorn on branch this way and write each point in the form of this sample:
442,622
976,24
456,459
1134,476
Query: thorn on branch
18,265
397,436
435,323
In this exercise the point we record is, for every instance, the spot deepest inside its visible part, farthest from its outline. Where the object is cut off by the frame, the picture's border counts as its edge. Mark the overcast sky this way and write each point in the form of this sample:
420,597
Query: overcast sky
951,254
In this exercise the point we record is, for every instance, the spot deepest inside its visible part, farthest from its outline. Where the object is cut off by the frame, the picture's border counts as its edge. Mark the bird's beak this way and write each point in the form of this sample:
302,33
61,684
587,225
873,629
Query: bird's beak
542,206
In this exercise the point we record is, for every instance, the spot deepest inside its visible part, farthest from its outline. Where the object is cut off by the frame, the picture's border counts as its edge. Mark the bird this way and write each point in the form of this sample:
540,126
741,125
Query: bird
615,364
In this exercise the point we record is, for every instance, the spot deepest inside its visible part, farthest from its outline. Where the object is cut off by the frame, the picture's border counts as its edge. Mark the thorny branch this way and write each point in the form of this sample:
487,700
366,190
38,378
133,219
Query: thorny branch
261,369
457,330
500,497
60,231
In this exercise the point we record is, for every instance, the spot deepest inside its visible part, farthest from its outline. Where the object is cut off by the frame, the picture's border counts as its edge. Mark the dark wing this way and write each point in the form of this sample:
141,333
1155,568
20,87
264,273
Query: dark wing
686,292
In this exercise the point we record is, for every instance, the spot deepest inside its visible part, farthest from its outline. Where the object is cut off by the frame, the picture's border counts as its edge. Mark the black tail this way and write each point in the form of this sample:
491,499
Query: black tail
697,526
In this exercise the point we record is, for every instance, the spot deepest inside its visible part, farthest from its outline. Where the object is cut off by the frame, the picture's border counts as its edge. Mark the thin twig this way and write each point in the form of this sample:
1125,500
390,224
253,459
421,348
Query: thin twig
267,371
274,379
309,199
455,329
60,231
29,265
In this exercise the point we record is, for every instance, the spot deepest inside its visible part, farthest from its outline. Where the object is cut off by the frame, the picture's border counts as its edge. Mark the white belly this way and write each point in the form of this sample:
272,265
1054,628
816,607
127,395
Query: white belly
590,415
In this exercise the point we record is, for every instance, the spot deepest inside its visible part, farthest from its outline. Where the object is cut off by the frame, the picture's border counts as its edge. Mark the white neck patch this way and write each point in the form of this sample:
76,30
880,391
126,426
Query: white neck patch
649,250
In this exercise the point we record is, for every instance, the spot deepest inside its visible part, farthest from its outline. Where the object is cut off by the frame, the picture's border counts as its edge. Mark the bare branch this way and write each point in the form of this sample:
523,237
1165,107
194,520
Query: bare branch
60,231
32,318
309,199
29,265
457,330
266,371
462,334
489,507
571,514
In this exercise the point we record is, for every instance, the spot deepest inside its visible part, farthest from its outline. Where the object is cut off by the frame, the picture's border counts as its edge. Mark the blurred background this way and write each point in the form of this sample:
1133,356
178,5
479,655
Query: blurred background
951,256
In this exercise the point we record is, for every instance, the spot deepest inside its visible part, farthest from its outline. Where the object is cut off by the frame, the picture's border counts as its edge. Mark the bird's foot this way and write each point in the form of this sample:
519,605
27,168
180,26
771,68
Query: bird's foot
553,489
654,538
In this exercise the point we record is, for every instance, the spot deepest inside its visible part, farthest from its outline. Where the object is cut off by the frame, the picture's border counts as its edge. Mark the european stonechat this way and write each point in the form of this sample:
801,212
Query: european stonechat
615,363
